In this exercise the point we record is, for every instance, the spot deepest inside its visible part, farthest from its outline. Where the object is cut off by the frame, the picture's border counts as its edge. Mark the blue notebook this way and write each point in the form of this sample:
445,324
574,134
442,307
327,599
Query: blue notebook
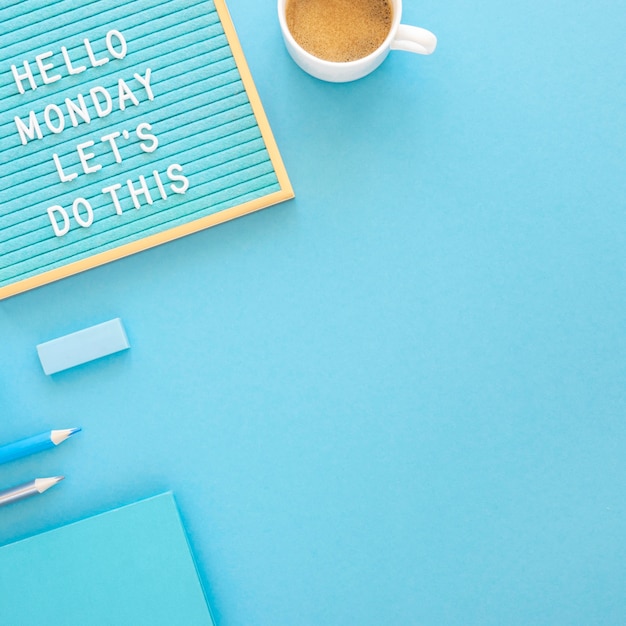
132,565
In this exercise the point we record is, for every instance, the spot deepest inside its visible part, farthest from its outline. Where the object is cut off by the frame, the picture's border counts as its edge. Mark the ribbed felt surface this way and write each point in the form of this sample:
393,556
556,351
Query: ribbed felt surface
200,114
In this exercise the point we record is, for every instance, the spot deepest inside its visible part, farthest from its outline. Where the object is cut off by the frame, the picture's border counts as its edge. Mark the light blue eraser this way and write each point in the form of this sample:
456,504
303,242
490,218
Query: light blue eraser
83,346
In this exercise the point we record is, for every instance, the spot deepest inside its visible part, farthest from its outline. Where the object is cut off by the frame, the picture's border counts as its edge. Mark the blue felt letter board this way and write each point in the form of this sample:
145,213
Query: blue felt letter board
122,126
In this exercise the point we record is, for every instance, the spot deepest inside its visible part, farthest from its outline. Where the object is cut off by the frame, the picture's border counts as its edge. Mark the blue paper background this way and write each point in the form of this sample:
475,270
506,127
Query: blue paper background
398,399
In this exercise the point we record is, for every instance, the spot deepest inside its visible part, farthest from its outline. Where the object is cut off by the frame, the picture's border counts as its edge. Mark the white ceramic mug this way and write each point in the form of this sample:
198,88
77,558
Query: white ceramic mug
400,37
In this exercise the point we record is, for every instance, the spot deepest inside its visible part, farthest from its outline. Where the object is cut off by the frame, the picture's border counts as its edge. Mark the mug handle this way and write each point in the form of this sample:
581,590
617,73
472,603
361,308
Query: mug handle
414,39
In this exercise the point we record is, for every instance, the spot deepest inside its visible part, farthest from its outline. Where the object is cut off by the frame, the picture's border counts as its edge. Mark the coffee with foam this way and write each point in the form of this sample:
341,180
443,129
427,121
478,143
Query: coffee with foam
339,30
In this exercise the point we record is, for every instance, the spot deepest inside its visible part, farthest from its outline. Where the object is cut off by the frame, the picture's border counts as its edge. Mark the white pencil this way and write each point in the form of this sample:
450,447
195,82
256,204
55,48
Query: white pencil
32,488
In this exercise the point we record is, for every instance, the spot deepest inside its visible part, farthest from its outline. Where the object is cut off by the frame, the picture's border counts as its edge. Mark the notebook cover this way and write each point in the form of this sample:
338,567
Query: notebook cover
123,125
131,565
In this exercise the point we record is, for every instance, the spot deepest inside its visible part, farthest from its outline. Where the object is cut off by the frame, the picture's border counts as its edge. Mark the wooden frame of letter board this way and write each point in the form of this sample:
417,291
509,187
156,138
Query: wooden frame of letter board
285,193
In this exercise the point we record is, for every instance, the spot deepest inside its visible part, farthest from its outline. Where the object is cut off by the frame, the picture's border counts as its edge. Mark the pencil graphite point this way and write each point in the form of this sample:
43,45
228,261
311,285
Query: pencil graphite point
43,484
59,436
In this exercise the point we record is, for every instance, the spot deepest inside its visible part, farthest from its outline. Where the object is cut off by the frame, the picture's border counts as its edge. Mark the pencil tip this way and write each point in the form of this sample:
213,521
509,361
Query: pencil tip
59,436
43,484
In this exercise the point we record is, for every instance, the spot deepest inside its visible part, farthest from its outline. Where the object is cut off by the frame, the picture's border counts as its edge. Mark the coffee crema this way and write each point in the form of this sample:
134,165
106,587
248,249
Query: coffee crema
339,30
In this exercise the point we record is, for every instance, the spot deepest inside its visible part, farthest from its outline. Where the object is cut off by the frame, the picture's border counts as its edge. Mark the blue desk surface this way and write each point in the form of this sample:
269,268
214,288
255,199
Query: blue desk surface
400,398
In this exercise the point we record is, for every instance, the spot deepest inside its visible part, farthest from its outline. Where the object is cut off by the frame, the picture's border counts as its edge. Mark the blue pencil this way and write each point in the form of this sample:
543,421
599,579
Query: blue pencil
34,444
